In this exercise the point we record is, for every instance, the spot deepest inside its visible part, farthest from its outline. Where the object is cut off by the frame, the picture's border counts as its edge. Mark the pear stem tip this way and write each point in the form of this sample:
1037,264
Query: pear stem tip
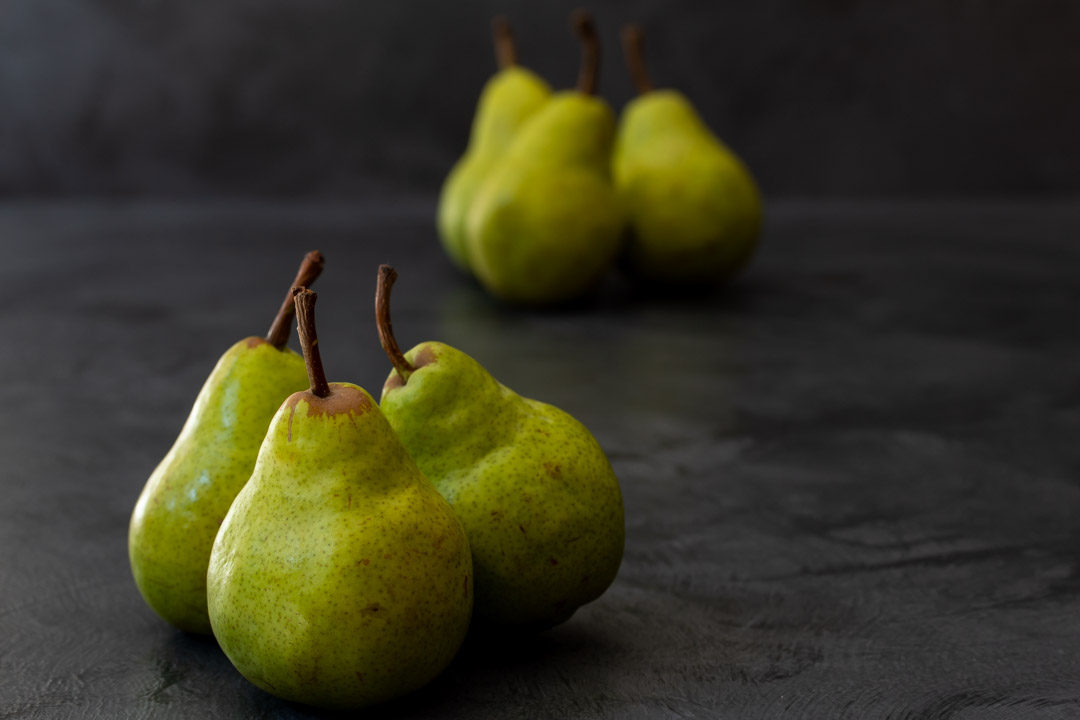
304,300
581,21
633,41
505,47
310,268
387,276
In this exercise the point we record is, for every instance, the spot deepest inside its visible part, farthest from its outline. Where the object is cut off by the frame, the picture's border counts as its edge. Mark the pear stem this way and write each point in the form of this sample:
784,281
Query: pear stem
505,47
581,21
633,42
387,276
278,334
309,340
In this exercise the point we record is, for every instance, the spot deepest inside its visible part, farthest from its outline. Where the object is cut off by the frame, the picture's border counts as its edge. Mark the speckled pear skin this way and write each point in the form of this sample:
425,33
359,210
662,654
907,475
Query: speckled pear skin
508,99
536,494
183,503
545,224
340,577
693,206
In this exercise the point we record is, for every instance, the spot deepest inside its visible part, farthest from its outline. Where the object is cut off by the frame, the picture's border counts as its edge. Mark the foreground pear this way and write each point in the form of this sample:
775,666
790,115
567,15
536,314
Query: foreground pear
546,224
340,577
508,99
536,494
186,498
693,207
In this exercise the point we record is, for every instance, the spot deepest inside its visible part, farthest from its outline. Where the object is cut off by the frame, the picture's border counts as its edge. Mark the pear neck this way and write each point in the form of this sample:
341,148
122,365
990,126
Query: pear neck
344,431
476,413
664,112
341,399
572,129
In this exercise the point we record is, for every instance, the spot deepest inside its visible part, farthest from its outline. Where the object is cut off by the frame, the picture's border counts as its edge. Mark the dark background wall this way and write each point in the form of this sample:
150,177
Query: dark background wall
337,98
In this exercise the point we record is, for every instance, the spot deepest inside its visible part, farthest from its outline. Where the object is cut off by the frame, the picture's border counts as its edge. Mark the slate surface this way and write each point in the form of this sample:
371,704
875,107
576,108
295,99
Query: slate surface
852,481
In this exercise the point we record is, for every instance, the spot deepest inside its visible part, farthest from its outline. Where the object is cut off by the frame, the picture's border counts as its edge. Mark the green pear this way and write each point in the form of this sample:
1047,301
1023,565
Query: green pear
178,513
545,224
538,498
340,578
693,207
507,100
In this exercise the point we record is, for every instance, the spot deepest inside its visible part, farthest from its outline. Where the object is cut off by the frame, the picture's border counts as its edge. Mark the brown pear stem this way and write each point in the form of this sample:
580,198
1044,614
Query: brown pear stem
387,276
505,48
309,340
278,334
633,42
581,21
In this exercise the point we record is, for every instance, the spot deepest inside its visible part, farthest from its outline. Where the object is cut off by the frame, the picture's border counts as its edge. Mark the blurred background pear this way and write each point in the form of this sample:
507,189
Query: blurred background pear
508,99
694,209
546,225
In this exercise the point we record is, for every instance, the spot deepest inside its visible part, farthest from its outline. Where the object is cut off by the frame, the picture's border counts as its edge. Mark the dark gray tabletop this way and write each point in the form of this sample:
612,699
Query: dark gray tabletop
852,480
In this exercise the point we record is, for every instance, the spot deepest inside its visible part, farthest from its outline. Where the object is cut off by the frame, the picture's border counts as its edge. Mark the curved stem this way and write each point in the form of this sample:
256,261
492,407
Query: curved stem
278,334
582,23
387,276
309,340
633,42
503,37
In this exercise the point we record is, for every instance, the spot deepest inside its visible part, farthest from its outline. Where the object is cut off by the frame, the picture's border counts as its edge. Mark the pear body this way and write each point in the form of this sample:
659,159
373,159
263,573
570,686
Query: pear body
182,504
508,99
340,577
693,208
545,223
537,496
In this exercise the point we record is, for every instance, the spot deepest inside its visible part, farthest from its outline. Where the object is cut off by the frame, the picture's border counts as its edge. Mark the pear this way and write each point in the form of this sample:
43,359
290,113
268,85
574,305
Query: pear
538,498
186,498
694,209
340,577
545,224
507,100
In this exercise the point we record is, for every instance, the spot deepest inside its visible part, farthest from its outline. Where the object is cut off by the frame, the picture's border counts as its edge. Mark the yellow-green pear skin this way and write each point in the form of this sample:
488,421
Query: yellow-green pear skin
508,99
537,496
340,577
183,503
546,224
693,207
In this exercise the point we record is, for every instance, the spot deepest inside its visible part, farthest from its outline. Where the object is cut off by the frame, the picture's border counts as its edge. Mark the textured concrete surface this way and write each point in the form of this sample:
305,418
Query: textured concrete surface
852,481
335,97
